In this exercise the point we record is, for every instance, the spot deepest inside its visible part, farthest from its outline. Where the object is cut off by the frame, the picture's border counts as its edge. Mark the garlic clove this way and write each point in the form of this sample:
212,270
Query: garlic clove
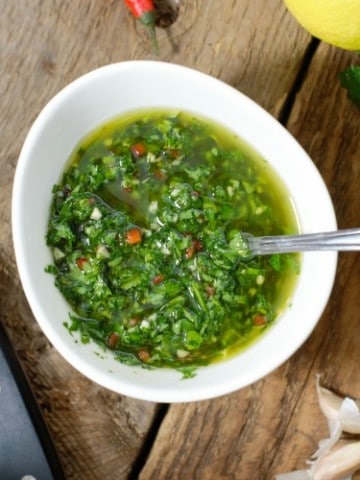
329,402
339,463
296,475
327,443
349,416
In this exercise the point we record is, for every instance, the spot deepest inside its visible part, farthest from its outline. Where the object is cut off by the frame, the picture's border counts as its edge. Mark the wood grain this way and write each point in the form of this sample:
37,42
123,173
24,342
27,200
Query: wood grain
257,47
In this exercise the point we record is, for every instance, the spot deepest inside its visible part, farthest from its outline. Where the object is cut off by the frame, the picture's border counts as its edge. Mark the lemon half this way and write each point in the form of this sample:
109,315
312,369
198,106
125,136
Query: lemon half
336,22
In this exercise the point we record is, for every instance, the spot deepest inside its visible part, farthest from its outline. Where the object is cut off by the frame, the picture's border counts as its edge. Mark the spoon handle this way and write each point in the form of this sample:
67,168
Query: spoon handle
340,240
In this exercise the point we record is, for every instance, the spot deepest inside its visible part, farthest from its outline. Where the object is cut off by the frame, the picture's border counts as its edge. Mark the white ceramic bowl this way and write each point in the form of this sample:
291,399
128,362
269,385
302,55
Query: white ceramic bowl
101,95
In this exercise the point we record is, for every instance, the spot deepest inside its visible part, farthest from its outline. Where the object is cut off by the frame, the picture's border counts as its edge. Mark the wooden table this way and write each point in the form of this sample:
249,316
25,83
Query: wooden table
256,46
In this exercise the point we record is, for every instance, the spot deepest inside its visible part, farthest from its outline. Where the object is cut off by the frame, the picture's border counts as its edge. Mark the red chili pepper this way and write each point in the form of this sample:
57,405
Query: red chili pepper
144,11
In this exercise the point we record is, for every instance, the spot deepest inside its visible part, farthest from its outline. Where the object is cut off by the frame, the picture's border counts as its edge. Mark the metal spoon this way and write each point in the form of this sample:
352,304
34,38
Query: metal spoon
340,240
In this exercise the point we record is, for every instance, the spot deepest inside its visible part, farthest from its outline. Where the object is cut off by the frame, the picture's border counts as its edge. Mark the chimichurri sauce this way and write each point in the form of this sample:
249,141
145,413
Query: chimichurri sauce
145,229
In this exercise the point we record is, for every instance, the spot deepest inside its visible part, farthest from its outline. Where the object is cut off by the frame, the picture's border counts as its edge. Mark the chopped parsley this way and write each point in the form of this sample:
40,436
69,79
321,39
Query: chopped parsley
145,229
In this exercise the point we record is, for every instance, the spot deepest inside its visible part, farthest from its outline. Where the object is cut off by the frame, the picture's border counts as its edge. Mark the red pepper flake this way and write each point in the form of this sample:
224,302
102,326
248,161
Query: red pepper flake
143,355
195,194
113,340
189,252
91,200
195,246
160,175
158,279
127,189
138,150
80,262
133,236
259,320
198,245
210,291
174,153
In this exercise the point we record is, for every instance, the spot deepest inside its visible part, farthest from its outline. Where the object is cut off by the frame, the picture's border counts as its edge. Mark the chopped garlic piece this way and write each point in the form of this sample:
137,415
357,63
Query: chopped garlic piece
182,353
58,254
153,206
230,190
145,323
102,251
96,214
150,157
165,250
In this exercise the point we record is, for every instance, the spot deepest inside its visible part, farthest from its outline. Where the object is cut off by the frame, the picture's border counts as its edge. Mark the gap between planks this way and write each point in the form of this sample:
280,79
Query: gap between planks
148,442
304,67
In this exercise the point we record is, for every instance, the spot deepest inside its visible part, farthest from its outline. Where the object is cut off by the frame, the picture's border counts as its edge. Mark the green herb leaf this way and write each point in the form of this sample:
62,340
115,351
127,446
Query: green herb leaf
187,372
350,79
